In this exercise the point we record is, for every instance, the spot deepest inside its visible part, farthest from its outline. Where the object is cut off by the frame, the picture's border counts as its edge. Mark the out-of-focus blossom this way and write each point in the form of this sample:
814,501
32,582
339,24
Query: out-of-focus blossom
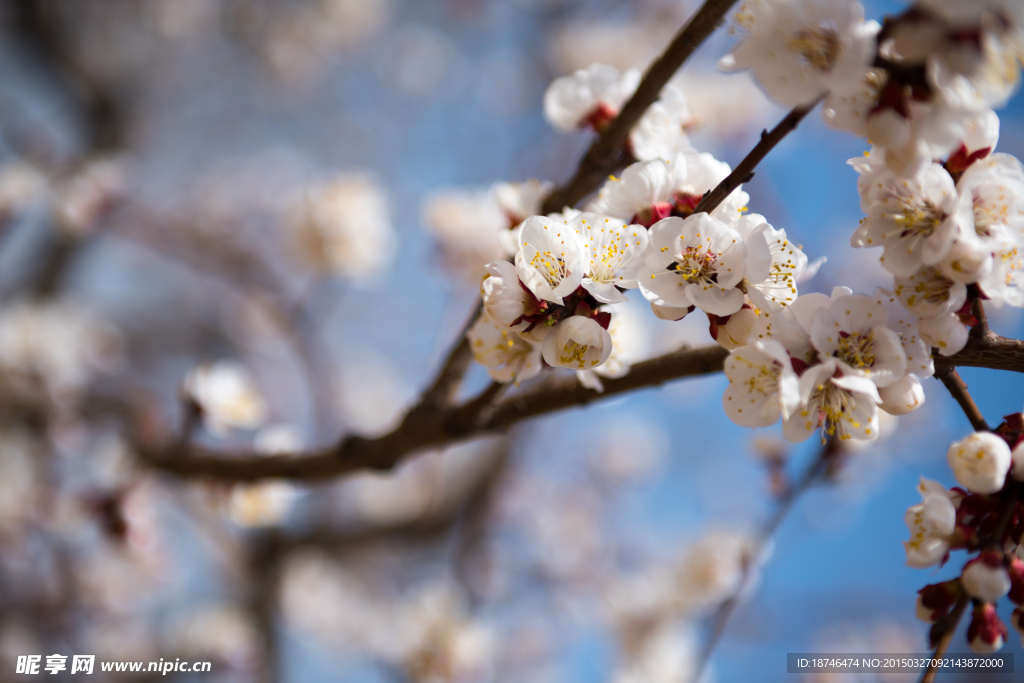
59,344
227,396
20,186
343,226
80,202
591,96
466,225
713,568
223,633
267,503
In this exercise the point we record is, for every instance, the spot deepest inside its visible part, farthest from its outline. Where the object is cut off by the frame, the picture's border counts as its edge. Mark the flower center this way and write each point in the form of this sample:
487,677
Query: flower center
834,406
696,265
857,350
932,286
552,268
575,353
986,215
920,220
819,46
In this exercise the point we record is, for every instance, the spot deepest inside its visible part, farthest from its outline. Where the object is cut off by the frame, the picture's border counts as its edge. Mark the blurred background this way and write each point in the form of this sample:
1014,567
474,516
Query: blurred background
167,170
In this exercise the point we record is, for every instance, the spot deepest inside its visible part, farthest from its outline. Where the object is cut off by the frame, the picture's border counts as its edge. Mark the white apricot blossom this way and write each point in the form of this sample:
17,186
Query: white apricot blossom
733,331
227,395
929,292
614,251
854,330
980,462
551,260
589,96
577,342
931,523
842,406
774,264
507,356
916,219
945,332
762,384
698,261
649,191
628,342
661,131
503,296
799,50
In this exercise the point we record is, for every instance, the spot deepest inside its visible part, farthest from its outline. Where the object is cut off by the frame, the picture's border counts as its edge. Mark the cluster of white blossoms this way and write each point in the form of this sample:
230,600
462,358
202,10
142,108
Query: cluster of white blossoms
971,518
948,213
553,304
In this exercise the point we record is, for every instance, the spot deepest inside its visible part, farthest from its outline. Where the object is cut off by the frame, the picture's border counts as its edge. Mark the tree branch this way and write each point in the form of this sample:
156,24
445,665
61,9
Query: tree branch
425,429
745,170
958,389
606,153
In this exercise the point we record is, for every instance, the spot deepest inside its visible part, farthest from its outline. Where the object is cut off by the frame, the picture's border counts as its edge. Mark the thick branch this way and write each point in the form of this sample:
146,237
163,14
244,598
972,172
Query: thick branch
745,170
606,153
425,429
993,352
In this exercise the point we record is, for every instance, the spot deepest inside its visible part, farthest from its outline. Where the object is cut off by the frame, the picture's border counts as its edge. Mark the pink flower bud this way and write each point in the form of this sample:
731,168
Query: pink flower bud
985,577
935,600
986,633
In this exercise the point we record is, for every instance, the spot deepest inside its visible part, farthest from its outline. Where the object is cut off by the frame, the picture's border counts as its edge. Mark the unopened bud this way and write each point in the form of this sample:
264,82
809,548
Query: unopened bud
936,600
985,577
986,633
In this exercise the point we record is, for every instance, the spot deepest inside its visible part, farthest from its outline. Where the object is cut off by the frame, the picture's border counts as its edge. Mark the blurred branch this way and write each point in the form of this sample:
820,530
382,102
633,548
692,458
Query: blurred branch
606,153
744,172
424,429
105,121
811,475
36,22
442,425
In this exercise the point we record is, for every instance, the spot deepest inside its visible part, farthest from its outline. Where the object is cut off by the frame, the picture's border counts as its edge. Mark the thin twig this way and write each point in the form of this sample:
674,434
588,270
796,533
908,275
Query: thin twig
978,311
606,153
958,389
724,613
745,170
945,629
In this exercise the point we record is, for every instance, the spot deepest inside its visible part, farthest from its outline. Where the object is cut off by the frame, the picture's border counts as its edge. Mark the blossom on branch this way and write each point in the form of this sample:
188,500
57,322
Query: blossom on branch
799,49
